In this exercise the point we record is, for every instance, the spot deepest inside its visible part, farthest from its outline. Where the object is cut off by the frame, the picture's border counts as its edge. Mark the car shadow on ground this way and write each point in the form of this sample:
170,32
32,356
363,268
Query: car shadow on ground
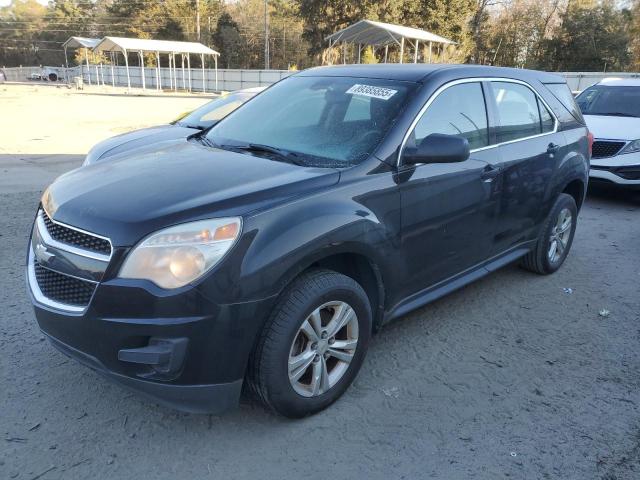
613,194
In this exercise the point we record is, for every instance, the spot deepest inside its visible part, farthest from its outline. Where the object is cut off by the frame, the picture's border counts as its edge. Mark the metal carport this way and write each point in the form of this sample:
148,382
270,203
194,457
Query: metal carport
379,34
158,47
80,42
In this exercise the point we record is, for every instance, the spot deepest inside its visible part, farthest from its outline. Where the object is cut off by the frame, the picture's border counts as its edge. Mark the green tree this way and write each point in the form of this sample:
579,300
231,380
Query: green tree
66,18
228,41
634,35
368,56
591,38
21,23
448,18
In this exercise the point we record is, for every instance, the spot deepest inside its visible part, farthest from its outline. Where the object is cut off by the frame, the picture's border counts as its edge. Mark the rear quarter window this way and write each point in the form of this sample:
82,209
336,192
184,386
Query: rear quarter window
563,94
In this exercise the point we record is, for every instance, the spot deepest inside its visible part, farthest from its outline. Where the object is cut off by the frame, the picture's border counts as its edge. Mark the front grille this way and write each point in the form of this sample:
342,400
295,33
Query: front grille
62,288
606,148
74,237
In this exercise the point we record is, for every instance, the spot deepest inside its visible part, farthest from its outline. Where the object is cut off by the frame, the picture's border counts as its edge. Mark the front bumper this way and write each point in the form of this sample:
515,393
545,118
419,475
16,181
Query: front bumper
214,398
118,332
208,377
620,169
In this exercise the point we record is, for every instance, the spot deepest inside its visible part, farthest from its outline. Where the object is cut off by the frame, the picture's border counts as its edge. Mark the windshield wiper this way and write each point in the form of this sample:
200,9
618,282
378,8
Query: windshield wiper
254,147
202,138
259,147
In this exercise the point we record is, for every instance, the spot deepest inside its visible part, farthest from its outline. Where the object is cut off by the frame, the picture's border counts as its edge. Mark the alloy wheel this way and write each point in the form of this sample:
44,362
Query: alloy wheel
560,234
323,348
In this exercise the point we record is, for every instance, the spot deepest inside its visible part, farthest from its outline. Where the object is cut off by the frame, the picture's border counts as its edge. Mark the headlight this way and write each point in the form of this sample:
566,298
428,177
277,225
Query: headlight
175,256
632,147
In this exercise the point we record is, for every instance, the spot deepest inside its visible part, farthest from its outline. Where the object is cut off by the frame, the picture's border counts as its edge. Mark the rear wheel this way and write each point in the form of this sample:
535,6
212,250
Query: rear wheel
312,347
556,238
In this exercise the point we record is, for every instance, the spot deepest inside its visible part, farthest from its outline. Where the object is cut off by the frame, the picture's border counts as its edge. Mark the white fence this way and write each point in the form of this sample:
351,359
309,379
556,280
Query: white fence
224,79
228,79
578,81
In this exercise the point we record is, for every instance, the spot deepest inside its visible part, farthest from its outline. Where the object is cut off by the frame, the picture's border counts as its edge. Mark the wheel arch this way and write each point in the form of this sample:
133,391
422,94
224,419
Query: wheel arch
577,189
364,271
356,265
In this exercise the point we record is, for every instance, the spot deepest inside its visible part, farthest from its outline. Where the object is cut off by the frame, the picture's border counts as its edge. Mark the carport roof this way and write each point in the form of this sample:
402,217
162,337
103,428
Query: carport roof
369,32
81,42
119,44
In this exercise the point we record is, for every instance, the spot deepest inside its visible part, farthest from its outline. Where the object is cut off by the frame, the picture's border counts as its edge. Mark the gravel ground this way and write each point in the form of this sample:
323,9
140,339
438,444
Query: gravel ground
514,376
45,119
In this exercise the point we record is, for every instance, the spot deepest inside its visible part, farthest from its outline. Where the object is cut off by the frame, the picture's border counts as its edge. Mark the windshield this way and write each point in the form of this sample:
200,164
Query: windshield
608,100
211,113
323,121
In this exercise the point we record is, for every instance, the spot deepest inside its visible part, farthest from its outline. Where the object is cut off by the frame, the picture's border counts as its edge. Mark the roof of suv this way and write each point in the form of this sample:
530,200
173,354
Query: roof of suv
620,82
417,72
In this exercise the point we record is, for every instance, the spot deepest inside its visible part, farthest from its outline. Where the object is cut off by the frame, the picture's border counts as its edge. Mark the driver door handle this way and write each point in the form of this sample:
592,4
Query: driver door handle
552,148
489,173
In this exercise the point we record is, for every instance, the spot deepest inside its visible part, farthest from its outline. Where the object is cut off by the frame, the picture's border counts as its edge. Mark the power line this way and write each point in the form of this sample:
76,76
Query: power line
30,41
2,47
75,30
45,20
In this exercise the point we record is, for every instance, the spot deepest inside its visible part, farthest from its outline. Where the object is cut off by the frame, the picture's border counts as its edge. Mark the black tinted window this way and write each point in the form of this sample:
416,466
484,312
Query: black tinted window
459,110
614,101
517,111
563,94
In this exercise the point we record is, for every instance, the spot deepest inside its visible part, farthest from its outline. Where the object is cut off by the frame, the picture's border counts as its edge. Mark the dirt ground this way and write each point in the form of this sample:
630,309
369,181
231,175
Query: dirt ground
44,128
517,376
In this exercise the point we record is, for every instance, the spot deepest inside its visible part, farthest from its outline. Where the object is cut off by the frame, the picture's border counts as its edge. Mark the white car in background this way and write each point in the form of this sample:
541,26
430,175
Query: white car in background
184,126
611,109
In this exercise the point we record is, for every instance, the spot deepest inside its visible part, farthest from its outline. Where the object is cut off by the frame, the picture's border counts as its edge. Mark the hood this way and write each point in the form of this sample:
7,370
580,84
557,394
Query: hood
138,193
138,138
613,128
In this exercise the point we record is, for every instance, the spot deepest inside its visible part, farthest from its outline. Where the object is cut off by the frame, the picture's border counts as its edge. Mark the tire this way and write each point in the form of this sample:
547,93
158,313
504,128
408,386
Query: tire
282,340
540,260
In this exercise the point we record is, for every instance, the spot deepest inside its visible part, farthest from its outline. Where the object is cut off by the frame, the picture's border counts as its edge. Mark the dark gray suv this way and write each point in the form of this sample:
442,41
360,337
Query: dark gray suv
266,251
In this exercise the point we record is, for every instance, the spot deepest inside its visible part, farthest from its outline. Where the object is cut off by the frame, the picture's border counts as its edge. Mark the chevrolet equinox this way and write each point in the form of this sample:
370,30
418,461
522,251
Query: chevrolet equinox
266,250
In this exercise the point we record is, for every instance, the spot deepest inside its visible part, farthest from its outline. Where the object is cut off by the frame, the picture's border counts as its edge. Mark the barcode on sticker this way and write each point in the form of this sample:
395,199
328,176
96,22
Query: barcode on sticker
371,91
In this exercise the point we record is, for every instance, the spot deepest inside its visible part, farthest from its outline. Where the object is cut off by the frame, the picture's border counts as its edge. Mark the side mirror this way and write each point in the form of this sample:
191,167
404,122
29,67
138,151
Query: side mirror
438,148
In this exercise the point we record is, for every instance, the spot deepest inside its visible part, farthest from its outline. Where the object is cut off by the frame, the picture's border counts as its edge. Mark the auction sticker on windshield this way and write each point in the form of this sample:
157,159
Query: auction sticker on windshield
371,91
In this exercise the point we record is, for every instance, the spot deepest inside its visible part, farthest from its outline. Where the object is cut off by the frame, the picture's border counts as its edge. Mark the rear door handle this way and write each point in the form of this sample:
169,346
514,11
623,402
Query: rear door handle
489,173
553,148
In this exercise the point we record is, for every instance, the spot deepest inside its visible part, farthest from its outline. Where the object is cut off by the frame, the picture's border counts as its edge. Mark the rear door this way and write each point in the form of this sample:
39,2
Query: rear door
529,147
449,209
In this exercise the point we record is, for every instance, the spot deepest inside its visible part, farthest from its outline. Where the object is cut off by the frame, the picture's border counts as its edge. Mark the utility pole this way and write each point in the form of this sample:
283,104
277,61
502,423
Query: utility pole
198,19
266,36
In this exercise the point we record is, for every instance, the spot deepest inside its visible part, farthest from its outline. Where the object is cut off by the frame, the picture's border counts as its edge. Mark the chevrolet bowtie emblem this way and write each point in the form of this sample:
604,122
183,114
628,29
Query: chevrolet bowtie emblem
42,253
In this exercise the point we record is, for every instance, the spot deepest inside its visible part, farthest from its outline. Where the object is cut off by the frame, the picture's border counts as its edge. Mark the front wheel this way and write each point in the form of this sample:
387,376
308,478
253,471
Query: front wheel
313,345
556,237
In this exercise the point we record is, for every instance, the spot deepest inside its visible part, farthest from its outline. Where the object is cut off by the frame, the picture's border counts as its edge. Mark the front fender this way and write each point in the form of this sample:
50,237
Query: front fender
286,244
359,215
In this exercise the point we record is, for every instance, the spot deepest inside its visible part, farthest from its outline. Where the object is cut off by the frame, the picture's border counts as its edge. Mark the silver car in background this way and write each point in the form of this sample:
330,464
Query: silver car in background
187,124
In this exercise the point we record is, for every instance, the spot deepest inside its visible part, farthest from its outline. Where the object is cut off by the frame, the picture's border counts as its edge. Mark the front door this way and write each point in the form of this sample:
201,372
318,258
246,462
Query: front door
448,210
